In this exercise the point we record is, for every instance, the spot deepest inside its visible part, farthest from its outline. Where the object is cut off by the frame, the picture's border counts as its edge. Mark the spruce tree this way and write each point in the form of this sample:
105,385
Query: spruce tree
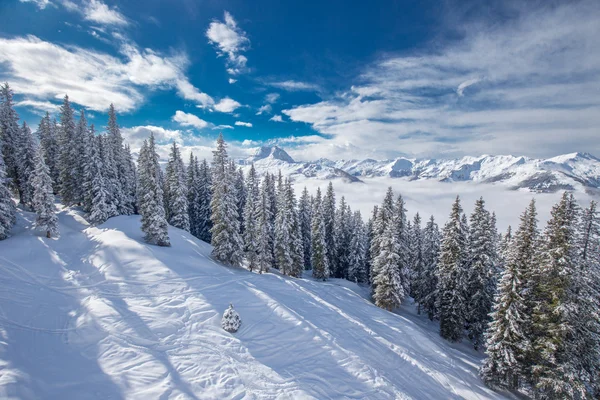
328,214
358,251
100,208
508,339
342,234
427,280
193,194
319,259
305,217
26,165
150,196
226,240
416,261
402,231
123,180
176,191
43,197
10,134
283,226
451,276
7,206
296,249
264,258
47,136
481,279
389,286
384,216
241,194
204,200
68,185
251,224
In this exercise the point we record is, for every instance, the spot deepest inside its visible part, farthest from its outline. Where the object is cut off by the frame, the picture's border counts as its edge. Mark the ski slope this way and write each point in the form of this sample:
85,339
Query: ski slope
98,314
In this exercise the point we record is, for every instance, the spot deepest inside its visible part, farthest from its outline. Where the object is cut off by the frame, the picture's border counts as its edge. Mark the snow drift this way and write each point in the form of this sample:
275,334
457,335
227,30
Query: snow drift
98,313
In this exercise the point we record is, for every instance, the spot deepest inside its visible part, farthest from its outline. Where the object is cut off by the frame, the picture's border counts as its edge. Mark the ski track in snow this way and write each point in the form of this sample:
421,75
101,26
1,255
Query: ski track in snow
98,314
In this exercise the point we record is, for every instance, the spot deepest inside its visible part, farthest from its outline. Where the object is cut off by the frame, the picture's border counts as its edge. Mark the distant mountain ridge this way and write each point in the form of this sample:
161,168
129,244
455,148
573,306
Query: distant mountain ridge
574,171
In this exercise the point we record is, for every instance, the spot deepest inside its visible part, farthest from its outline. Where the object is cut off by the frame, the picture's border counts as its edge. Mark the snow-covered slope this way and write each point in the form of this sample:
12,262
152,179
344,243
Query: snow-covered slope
576,171
98,314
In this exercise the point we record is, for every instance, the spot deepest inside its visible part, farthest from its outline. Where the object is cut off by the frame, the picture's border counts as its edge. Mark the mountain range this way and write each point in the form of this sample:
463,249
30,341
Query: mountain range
574,171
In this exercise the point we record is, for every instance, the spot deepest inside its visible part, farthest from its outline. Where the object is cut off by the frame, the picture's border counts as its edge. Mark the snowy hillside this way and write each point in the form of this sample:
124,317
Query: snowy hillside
98,314
576,171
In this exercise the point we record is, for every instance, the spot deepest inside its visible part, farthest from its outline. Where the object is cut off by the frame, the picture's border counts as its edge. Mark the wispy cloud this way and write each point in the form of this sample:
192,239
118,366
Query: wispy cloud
526,85
96,11
266,109
219,127
186,119
41,106
276,118
227,105
272,98
291,85
230,41
246,124
93,79
41,4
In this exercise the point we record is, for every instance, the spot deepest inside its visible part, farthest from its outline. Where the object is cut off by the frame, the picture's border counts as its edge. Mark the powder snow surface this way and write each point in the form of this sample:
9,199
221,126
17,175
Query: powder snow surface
98,314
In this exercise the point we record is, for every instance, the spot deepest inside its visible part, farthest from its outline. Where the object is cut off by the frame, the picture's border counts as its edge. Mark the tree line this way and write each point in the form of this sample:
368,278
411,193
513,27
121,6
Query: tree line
530,299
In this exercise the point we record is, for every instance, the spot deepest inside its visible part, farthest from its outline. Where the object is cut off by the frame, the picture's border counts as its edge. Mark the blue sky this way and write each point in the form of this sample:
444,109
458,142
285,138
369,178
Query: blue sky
336,79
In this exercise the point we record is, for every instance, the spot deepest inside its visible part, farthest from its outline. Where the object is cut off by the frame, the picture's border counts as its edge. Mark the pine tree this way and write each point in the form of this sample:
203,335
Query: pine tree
193,194
328,213
89,169
508,336
241,194
296,248
100,208
555,371
251,223
427,281
451,276
416,261
124,182
78,149
43,197
264,258
226,240
304,219
342,234
110,174
10,138
385,215
402,230
150,196
319,259
176,191
26,165
68,184
358,251
204,200
481,278
129,190
369,242
389,286
283,226
47,136
7,206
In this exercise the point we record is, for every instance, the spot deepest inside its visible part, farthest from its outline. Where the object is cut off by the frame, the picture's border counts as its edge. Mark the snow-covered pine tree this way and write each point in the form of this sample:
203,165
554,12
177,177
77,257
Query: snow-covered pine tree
342,233
123,180
68,184
7,206
427,281
129,189
451,276
150,196
109,174
305,217
508,335
47,136
555,368
358,250
295,235
205,195
264,257
481,276
328,214
402,230
251,224
385,214
241,194
26,165
369,241
416,261
9,138
272,193
78,149
231,320
176,191
101,208
193,193
226,240
283,227
390,289
89,169
43,197
319,259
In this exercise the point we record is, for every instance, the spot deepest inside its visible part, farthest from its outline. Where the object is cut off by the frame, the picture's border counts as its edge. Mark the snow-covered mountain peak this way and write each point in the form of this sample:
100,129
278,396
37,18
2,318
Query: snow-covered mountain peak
273,152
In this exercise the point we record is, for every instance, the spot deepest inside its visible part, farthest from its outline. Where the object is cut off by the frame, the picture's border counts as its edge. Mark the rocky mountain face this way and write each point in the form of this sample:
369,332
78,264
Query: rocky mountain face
575,171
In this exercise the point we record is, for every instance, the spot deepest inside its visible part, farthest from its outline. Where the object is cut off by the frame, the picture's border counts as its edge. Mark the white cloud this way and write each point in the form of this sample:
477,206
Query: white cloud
43,106
292,86
266,109
272,98
97,11
276,118
246,124
227,105
230,41
41,4
537,84
219,127
136,135
232,81
42,70
186,119
461,88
